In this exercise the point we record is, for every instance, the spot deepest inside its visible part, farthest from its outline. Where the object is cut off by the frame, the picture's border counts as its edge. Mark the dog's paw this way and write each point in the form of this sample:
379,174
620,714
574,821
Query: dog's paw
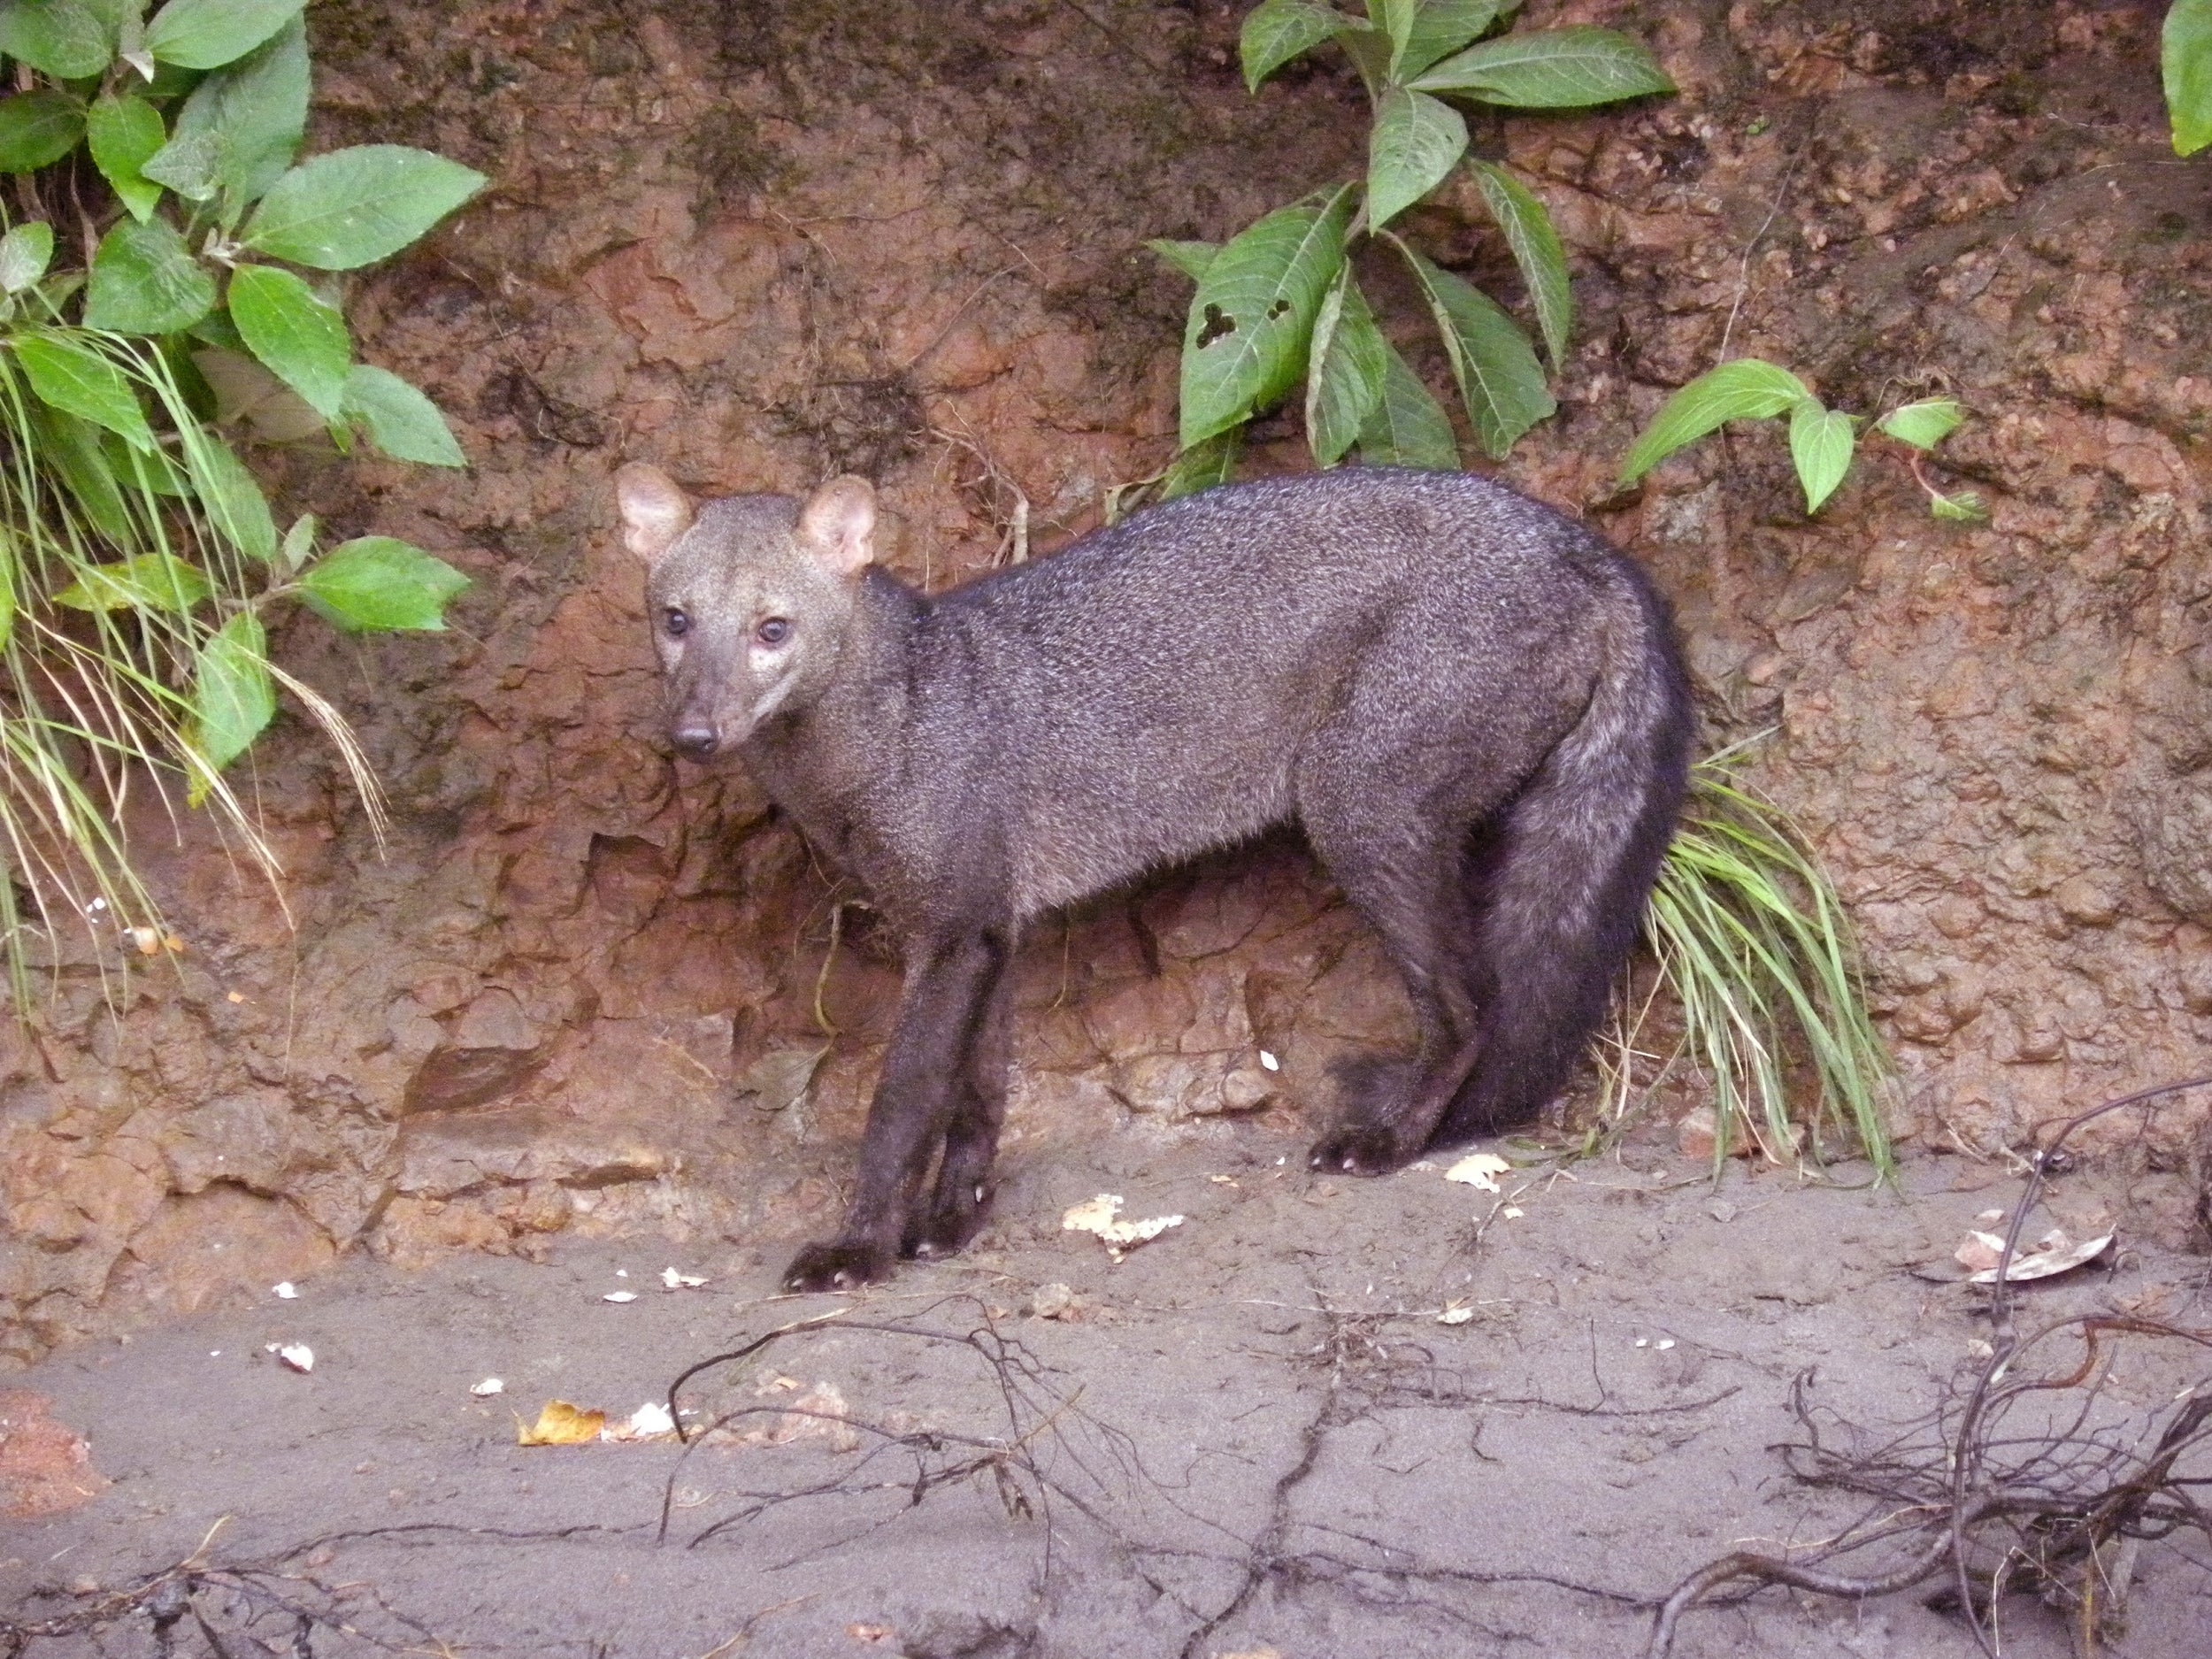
837,1266
1360,1149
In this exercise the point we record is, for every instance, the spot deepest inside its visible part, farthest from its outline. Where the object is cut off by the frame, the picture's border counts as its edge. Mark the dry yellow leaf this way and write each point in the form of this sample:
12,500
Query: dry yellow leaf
560,1424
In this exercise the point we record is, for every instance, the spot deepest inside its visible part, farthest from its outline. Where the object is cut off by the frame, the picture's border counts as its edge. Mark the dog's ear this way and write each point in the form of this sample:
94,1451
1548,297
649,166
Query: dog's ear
655,511
838,526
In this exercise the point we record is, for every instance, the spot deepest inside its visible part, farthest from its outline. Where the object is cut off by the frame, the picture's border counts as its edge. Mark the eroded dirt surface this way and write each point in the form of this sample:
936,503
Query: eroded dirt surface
1258,1437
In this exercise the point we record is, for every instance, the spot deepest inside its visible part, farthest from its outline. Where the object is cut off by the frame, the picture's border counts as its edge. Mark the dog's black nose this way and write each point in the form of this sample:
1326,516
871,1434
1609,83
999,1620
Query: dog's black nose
696,742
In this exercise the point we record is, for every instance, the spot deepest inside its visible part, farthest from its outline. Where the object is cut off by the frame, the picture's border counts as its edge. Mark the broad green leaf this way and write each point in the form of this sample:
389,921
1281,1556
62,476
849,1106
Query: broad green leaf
1252,317
299,338
1415,141
1746,389
229,496
189,163
38,128
351,206
232,696
71,448
1821,441
1551,69
1345,380
1500,379
1280,30
146,281
398,419
1409,428
246,391
2185,62
1394,18
1442,28
125,132
1926,423
148,470
240,128
152,581
1190,258
376,582
24,253
299,541
208,34
1204,464
67,39
78,381
1537,250
1965,508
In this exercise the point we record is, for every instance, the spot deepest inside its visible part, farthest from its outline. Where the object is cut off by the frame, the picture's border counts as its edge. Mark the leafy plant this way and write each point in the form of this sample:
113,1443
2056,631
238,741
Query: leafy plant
2186,61
1753,944
140,563
1278,302
1823,441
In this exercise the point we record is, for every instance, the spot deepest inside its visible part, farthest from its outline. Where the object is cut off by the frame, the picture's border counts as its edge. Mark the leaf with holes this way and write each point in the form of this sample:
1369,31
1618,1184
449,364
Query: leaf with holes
1746,388
233,696
1415,141
299,338
1821,442
1345,382
1280,30
1251,320
1407,427
1537,250
344,208
378,582
1500,379
398,419
1551,69
145,281
73,378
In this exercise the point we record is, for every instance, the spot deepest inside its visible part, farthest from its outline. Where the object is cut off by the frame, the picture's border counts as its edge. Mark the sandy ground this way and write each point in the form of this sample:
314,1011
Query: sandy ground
1253,1436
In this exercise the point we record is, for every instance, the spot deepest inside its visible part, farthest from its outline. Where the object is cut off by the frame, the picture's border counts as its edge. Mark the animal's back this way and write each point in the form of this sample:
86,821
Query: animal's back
1147,693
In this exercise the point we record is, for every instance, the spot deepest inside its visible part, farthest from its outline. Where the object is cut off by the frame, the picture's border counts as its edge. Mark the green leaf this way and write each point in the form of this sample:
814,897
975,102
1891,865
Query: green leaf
78,381
1746,389
1345,382
346,208
146,281
67,39
1442,26
1551,69
1537,250
37,128
1251,320
299,338
375,581
152,581
1500,379
191,164
1965,508
1190,258
1409,428
229,496
208,34
148,470
1204,464
1821,441
1280,30
1926,423
2185,62
240,128
1394,18
127,133
1415,141
233,696
299,541
24,253
398,419
71,448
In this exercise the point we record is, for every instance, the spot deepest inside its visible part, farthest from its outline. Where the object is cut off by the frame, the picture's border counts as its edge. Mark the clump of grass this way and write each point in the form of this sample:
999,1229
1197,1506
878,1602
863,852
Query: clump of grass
1754,948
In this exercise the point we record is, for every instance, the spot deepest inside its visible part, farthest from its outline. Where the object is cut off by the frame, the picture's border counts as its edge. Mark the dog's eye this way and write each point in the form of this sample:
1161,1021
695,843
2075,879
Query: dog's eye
675,622
775,631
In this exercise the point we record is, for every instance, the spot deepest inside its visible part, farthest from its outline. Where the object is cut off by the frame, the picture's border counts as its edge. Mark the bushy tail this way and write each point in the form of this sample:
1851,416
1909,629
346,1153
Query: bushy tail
1560,876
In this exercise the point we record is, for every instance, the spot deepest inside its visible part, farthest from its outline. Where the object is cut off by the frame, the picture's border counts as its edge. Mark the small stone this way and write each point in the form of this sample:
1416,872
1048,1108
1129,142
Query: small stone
1053,1301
